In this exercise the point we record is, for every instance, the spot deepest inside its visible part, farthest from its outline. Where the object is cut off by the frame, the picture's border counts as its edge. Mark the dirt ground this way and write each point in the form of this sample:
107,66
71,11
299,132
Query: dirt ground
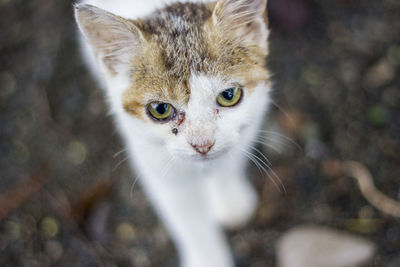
67,196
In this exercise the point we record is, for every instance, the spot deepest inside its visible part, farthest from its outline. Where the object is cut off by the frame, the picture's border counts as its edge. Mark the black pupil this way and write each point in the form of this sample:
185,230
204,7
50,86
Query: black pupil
228,94
162,108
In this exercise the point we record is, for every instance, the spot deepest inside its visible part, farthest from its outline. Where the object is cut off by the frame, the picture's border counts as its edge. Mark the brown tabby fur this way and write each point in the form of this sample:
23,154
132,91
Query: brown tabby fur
178,48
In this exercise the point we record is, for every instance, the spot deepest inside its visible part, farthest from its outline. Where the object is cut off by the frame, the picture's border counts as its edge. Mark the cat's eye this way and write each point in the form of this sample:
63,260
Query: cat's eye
230,97
160,111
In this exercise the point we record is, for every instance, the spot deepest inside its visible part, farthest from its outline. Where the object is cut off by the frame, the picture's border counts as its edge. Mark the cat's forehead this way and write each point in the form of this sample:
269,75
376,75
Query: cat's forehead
183,43
178,32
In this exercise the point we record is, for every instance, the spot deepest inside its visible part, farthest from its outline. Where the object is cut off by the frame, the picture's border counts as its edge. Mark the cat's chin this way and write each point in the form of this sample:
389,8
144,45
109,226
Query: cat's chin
201,158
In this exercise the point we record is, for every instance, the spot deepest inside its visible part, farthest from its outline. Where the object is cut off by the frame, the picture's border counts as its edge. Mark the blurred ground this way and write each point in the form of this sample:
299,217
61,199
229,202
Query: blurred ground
67,197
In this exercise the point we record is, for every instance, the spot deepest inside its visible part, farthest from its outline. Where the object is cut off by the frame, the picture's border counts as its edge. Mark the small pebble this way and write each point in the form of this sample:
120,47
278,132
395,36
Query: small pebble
76,152
312,75
125,232
49,227
378,115
139,257
315,149
310,131
332,168
379,74
313,246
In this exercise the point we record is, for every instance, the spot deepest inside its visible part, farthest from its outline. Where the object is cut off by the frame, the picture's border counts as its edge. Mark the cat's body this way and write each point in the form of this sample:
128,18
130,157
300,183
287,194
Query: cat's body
203,65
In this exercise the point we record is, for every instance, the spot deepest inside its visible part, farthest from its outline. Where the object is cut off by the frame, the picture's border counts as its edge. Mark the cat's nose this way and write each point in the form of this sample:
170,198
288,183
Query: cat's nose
204,148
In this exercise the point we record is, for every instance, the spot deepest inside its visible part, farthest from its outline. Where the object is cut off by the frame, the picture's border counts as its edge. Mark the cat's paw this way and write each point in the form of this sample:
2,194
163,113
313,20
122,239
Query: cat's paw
208,264
233,203
216,258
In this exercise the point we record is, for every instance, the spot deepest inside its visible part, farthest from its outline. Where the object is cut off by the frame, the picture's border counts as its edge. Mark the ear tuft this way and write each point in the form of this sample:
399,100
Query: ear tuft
113,38
245,19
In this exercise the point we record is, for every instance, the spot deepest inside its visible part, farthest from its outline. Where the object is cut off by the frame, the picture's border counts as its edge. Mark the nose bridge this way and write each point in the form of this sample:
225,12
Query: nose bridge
201,126
200,116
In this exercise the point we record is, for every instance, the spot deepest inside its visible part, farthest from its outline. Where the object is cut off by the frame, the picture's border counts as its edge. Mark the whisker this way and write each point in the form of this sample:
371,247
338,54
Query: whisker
270,169
277,177
254,159
260,141
120,152
262,154
133,184
274,139
120,163
249,156
283,112
167,167
282,136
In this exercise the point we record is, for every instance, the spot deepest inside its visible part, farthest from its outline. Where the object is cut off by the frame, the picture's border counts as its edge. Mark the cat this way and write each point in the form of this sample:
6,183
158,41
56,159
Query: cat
188,85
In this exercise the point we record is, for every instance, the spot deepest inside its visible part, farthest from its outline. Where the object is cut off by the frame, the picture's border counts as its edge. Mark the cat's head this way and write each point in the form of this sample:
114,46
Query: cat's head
191,76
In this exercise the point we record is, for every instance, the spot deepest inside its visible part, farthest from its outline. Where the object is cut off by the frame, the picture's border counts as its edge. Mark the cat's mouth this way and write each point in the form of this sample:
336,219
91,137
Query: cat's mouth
206,157
212,155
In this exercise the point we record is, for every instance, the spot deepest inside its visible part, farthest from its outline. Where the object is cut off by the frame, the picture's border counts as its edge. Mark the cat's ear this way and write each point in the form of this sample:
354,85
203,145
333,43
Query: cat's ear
244,19
114,39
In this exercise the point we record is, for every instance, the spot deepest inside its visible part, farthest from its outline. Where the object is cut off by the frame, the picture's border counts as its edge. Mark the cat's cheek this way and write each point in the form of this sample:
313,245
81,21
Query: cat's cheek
231,121
178,147
143,128
227,139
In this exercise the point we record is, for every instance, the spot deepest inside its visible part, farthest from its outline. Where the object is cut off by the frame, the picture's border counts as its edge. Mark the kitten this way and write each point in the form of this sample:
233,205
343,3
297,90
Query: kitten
188,86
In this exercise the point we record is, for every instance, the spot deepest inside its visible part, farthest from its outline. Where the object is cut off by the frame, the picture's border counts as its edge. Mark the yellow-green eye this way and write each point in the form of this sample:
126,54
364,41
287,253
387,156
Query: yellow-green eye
230,97
160,111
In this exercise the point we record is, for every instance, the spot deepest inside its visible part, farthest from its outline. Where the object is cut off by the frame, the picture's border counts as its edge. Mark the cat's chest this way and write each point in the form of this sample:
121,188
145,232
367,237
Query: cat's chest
154,161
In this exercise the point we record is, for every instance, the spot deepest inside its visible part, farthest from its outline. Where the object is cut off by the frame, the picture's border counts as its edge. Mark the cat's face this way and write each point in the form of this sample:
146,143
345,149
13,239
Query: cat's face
212,122
196,76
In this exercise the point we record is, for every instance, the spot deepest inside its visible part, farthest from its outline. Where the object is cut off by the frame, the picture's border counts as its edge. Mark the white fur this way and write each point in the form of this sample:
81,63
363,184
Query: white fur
194,196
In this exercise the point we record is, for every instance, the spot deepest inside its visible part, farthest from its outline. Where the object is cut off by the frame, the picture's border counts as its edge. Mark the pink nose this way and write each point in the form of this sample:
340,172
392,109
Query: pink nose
203,149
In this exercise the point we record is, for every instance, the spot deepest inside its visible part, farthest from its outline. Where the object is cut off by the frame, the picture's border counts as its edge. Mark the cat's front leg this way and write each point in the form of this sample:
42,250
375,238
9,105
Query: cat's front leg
181,203
231,196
